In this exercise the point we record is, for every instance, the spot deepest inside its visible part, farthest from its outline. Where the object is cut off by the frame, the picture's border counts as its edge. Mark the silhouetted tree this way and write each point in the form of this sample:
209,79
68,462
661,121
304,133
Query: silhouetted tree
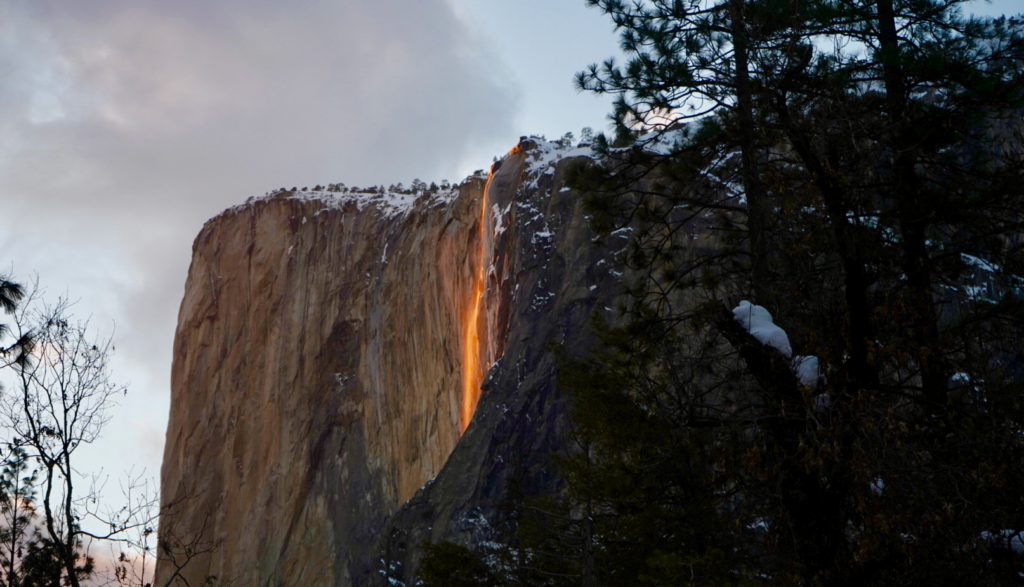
860,175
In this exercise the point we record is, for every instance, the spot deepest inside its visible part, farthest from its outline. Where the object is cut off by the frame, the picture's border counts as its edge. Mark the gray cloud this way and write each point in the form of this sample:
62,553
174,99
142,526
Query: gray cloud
124,124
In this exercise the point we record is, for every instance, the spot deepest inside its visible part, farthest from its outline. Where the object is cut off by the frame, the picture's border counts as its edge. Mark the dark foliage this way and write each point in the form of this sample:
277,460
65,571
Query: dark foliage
857,169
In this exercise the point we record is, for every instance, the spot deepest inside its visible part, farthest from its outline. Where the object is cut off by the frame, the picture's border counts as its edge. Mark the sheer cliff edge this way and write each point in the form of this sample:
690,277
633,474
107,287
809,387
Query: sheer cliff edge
320,359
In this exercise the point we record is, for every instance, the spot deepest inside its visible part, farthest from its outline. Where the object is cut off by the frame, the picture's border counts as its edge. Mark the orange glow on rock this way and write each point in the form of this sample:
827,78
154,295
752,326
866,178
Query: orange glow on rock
473,368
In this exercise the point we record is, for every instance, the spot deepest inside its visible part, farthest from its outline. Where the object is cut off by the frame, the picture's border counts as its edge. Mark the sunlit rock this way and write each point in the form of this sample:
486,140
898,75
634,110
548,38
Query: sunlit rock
320,370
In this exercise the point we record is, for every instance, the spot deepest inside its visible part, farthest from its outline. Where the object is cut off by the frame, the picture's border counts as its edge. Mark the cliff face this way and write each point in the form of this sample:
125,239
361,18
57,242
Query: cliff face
320,361
558,276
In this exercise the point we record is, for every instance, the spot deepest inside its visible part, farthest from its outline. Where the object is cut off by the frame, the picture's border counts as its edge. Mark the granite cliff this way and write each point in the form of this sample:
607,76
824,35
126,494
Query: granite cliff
328,359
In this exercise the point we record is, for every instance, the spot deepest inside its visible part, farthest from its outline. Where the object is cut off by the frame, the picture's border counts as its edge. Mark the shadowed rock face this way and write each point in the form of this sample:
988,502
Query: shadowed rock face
317,382
558,276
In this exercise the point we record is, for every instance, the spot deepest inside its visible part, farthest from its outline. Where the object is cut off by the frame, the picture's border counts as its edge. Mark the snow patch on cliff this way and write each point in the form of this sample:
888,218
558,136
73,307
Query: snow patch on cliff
545,156
389,203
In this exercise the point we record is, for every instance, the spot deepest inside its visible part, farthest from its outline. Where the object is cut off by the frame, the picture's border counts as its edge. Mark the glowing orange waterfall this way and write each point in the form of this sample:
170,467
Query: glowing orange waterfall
473,368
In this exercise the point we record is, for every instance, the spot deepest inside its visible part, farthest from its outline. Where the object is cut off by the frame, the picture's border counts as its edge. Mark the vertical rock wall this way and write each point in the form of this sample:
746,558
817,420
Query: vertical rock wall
316,385
316,378
555,276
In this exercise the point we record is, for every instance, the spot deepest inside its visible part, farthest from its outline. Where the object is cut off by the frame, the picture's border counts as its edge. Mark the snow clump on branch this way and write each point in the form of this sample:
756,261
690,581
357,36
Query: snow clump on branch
758,322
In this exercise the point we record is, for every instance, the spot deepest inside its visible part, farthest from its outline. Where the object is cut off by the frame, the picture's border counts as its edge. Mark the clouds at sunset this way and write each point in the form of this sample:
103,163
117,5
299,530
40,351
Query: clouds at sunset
125,124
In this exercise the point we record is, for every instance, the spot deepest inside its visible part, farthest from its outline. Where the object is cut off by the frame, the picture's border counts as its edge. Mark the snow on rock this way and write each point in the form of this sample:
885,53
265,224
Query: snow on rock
545,155
499,218
389,203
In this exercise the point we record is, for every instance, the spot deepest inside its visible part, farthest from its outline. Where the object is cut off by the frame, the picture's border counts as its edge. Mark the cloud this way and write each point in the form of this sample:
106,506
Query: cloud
125,124
117,94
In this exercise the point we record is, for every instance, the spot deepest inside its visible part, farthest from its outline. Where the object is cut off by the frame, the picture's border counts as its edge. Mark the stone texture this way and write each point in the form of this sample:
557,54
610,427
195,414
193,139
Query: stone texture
316,378
317,372
556,277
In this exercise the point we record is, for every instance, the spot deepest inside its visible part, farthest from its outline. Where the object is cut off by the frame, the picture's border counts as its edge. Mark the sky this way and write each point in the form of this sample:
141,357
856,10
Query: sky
126,124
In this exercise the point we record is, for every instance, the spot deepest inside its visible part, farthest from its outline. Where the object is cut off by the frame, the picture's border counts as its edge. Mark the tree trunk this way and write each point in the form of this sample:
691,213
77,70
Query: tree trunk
912,213
757,206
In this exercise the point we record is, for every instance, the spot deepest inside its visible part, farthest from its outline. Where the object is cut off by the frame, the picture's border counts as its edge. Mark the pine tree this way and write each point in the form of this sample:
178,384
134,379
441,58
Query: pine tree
10,294
17,508
859,174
